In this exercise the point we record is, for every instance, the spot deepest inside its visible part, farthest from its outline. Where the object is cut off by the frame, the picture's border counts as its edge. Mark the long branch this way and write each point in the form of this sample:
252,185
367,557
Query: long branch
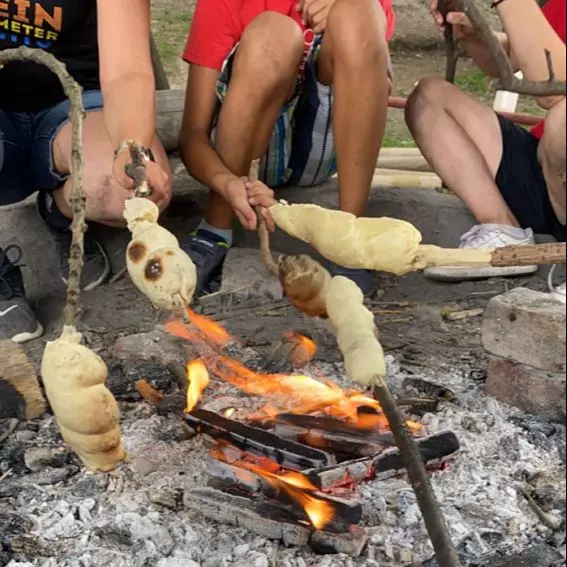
507,81
451,52
263,234
74,93
432,516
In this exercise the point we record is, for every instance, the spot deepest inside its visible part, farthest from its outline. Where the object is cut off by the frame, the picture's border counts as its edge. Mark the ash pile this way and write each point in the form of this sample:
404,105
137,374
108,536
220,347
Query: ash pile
243,458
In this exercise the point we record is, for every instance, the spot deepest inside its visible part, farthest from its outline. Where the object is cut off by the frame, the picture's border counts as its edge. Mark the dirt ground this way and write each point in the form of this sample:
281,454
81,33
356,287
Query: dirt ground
417,52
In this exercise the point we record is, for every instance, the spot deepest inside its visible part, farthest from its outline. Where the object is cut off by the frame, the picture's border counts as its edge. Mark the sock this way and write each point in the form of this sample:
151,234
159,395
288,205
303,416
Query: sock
51,213
210,232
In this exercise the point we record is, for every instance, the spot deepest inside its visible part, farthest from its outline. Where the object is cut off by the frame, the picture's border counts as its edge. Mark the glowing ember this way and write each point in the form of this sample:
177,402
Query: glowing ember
198,378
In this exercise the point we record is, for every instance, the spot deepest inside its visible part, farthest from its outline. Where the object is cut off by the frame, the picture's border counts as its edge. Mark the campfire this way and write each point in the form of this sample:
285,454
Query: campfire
296,460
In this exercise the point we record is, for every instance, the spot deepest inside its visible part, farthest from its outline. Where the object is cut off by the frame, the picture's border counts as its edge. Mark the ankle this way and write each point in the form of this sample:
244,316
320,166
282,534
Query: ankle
211,232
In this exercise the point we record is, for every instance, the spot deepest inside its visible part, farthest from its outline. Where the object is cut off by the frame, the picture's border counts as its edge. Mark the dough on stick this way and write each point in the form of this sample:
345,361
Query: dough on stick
304,282
357,335
381,244
159,268
86,412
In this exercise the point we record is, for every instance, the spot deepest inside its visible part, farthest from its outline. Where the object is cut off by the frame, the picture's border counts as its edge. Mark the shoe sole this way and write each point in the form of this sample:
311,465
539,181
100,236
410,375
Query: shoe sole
25,337
462,274
104,275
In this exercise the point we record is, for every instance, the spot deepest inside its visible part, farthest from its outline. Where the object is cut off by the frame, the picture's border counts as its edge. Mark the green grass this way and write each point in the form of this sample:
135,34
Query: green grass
474,82
170,28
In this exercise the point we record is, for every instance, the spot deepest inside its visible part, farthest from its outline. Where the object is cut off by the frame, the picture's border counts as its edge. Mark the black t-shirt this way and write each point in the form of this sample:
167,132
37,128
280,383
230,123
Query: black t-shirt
65,28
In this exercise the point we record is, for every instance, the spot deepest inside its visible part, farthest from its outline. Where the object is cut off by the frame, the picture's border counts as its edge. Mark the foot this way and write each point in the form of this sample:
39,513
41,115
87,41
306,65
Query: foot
490,237
208,255
17,320
364,279
96,268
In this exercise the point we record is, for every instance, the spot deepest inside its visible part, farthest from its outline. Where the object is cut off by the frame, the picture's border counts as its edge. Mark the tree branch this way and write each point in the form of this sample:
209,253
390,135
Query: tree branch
74,93
417,475
507,81
263,234
451,52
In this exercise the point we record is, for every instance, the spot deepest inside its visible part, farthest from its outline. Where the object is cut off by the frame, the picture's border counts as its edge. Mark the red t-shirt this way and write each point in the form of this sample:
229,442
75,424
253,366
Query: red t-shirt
554,11
218,26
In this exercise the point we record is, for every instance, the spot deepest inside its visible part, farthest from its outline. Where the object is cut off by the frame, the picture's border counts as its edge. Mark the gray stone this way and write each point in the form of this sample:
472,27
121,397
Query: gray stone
41,458
526,326
535,556
534,391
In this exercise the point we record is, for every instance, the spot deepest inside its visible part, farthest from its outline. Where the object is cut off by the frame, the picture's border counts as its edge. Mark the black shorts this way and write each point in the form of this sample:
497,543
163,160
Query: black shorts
522,184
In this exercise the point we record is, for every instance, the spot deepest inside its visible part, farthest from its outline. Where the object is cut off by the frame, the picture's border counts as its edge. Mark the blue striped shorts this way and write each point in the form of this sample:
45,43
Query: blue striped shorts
301,150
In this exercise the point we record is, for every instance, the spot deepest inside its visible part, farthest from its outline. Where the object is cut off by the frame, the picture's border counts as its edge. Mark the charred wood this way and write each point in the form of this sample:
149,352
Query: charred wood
287,454
434,450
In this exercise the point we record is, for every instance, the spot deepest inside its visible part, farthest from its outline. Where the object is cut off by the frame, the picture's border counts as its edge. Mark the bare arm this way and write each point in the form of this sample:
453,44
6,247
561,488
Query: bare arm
530,34
198,154
126,74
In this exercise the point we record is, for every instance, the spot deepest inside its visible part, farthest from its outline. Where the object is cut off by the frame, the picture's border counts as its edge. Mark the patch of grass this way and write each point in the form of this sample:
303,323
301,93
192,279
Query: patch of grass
171,23
473,82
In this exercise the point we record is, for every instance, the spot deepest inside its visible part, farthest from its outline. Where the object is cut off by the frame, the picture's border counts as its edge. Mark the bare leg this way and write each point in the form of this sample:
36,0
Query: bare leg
263,79
105,197
552,158
461,140
353,59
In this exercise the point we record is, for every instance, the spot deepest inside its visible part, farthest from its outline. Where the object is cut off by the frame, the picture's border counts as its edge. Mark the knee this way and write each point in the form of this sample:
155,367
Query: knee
357,30
552,146
427,93
270,49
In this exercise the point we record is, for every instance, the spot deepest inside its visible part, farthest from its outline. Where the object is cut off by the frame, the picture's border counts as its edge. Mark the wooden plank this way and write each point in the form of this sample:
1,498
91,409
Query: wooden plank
20,393
169,107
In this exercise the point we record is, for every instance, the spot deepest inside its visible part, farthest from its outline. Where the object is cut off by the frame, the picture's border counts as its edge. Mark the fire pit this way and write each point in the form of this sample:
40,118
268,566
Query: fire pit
290,469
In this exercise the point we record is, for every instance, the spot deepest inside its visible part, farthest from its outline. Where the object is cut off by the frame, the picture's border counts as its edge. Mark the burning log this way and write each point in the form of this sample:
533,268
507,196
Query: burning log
287,454
342,513
433,451
342,446
272,521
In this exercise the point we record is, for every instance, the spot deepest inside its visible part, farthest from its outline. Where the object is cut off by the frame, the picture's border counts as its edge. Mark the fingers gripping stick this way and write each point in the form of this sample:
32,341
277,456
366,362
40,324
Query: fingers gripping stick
263,233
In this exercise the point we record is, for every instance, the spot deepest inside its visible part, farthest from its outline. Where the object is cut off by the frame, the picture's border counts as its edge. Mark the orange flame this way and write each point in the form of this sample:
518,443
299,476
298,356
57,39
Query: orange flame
198,378
296,485
201,329
284,393
304,351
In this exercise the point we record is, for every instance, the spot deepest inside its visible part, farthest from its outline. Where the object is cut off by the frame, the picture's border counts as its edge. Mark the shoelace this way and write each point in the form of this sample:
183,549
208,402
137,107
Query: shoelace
475,238
550,285
6,267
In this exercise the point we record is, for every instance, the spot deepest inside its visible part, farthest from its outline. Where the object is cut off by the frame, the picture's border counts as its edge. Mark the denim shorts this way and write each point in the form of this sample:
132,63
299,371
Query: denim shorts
26,140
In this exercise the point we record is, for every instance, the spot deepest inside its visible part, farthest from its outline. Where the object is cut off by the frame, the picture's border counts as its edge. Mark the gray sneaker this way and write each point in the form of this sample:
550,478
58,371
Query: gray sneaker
17,320
96,268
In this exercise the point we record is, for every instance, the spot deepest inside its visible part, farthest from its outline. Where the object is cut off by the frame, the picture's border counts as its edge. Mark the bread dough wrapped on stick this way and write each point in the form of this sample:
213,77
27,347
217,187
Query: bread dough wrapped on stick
73,375
382,244
357,335
393,245
86,412
157,265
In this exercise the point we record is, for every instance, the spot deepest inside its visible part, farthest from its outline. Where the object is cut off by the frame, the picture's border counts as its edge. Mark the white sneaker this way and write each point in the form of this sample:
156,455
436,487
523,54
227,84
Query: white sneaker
490,237
557,292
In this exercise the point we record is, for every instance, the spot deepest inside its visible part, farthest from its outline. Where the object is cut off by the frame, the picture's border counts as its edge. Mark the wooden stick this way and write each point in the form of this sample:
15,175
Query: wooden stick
263,234
451,53
20,393
525,255
74,93
160,76
136,170
417,474
507,81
